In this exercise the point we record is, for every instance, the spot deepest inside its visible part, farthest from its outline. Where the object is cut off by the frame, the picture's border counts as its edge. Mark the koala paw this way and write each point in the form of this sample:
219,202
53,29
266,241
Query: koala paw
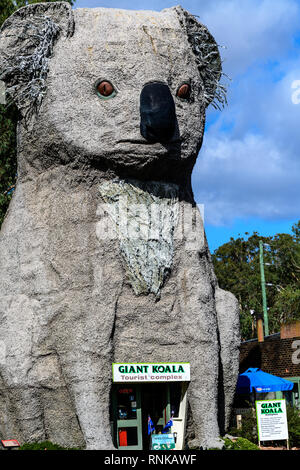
210,443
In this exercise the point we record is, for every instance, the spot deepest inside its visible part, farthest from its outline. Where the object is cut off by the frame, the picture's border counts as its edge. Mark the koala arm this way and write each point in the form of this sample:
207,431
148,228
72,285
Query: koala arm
228,320
212,318
229,333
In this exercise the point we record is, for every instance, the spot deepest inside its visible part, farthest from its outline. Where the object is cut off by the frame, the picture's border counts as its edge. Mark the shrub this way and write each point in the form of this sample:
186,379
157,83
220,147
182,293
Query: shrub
293,418
45,445
240,444
249,427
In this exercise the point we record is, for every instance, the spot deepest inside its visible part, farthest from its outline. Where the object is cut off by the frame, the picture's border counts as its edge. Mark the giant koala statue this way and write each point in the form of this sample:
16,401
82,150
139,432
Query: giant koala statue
103,252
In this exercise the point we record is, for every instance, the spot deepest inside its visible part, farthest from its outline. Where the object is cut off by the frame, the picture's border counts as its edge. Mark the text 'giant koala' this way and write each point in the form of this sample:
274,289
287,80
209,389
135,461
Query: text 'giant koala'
103,253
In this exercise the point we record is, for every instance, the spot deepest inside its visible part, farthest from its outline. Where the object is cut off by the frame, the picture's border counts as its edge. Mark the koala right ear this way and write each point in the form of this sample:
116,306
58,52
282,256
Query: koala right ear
26,43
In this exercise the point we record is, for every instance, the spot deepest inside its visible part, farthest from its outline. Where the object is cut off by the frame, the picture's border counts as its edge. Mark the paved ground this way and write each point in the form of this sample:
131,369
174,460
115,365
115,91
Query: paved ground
278,448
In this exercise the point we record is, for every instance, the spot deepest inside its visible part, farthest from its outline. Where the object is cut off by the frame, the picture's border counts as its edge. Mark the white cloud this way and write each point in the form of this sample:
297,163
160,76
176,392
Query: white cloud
255,175
249,164
252,30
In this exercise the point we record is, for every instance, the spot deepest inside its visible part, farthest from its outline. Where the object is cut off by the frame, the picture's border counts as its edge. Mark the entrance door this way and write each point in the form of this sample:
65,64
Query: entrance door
127,417
133,403
155,399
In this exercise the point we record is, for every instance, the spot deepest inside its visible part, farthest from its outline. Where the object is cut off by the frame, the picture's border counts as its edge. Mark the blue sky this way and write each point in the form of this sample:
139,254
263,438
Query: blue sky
248,170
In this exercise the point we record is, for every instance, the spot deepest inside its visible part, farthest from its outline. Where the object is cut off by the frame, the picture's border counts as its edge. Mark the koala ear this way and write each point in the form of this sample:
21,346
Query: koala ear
26,44
207,57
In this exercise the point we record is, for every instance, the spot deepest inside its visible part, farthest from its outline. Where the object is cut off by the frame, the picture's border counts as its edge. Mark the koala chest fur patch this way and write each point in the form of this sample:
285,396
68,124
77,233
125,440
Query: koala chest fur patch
144,215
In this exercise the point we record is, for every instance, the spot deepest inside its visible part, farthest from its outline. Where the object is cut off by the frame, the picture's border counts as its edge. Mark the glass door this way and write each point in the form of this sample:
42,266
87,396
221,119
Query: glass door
127,416
156,404
131,406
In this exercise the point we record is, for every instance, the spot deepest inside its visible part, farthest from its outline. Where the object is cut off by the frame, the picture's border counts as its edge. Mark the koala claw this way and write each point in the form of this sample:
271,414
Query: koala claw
213,443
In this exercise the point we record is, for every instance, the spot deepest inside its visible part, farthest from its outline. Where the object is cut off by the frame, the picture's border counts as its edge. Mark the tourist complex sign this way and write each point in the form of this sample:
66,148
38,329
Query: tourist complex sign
271,420
151,372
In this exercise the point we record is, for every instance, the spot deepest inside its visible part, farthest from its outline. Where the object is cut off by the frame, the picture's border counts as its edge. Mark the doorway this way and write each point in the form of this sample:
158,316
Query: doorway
156,404
126,417
131,406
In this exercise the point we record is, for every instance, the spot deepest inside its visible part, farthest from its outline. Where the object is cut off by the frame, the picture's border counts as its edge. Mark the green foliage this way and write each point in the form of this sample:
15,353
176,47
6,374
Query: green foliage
7,7
45,445
8,163
240,444
238,270
249,427
8,123
293,418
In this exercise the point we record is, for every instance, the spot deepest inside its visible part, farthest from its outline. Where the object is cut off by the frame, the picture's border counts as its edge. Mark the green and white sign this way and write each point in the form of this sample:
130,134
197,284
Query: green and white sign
151,372
271,420
162,442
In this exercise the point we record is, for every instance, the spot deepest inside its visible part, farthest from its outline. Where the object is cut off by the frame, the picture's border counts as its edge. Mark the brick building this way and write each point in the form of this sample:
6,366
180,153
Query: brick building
277,354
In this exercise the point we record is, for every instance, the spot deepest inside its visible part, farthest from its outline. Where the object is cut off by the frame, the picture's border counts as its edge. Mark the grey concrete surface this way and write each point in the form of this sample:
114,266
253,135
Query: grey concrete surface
78,291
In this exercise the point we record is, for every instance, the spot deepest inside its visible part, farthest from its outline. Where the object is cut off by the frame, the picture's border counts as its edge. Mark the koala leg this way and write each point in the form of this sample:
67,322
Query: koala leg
202,397
21,414
202,350
90,387
29,412
22,411
83,329
84,346
84,340
229,334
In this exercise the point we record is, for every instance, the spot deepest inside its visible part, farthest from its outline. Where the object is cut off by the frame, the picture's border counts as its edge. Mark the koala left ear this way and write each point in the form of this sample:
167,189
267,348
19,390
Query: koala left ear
26,43
207,56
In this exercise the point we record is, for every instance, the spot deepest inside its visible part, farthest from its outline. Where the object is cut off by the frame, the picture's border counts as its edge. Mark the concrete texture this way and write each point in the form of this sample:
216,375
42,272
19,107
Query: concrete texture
76,293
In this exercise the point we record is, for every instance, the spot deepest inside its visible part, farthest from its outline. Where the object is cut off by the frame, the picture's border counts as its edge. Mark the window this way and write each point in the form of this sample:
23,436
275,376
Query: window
175,397
126,403
128,437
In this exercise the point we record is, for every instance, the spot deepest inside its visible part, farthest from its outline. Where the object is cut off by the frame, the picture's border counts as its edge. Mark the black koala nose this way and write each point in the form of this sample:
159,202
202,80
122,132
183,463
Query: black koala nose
157,108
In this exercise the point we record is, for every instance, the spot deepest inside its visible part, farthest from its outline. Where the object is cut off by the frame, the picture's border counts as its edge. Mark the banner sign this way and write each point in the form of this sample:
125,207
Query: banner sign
148,372
271,420
162,442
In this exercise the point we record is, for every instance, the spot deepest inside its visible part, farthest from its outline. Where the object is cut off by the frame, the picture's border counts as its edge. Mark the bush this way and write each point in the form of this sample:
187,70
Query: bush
240,444
249,427
45,445
293,418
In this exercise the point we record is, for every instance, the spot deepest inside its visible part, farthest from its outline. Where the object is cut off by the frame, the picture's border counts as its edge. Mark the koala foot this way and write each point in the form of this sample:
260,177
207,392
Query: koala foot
99,446
210,443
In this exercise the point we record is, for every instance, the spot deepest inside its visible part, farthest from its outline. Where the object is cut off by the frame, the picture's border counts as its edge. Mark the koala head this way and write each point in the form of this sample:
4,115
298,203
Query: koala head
121,91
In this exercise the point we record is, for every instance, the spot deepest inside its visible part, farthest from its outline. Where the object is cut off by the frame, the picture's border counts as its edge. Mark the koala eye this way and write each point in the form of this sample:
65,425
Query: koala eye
184,91
105,89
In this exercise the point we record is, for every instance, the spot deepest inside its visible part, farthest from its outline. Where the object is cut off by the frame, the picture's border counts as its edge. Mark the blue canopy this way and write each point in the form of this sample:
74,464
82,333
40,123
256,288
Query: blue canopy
257,380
